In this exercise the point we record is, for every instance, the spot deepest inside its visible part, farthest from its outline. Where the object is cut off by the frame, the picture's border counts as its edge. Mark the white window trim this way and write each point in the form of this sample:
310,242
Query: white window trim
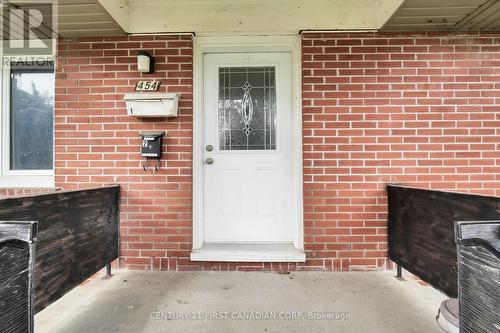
17,178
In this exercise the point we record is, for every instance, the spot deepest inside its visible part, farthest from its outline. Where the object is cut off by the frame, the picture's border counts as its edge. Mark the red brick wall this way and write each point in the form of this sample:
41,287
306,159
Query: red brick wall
9,192
97,143
417,109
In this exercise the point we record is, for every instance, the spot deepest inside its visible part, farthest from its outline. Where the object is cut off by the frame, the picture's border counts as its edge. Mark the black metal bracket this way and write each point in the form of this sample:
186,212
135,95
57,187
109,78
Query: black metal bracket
145,164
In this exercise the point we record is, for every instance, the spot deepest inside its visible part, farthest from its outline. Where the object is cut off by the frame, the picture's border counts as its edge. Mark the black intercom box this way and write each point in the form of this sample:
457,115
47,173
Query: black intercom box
151,145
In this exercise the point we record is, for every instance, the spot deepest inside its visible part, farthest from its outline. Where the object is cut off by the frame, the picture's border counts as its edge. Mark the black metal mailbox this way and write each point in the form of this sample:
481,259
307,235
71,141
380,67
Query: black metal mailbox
151,144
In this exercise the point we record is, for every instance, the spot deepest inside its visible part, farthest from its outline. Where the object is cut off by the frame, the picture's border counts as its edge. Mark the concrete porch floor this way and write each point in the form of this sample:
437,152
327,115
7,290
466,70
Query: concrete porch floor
134,301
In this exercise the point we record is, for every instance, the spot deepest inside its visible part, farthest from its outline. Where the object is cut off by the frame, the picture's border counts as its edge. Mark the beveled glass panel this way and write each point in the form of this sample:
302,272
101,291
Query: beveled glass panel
247,108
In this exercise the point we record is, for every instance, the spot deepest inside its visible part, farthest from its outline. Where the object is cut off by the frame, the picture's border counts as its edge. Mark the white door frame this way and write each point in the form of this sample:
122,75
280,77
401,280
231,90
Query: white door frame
236,44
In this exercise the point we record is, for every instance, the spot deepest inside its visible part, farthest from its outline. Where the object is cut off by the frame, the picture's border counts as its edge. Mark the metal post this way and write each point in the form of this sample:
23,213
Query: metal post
399,272
108,271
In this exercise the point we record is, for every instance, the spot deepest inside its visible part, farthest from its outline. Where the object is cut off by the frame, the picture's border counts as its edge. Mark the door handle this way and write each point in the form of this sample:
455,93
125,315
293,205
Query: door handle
209,160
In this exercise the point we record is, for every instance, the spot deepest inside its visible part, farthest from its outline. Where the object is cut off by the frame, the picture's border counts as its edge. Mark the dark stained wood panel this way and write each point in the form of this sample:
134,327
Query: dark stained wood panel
16,276
479,276
421,233
77,236
14,282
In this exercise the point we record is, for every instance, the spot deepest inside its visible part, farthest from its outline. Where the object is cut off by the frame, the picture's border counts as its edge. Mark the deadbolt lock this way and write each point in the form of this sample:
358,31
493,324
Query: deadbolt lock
209,147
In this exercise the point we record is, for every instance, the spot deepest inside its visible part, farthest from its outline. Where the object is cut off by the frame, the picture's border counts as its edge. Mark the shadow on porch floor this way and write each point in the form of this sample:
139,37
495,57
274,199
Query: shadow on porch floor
134,301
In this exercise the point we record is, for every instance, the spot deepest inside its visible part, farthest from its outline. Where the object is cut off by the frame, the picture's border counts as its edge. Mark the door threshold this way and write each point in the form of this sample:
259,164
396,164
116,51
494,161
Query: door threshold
249,252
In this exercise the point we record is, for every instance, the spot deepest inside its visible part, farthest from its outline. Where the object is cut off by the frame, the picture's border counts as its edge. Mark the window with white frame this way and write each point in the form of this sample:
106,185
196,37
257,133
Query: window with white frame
28,86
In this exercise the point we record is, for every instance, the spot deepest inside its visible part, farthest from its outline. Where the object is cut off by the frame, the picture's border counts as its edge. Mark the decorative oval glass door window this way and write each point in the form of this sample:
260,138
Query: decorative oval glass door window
247,108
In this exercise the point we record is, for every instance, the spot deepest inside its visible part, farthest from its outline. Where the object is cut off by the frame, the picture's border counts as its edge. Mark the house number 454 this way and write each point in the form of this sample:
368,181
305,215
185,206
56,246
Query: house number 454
147,85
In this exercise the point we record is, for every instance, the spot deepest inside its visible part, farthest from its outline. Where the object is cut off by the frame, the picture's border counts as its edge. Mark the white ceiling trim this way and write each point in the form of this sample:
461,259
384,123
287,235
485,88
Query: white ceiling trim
446,15
249,16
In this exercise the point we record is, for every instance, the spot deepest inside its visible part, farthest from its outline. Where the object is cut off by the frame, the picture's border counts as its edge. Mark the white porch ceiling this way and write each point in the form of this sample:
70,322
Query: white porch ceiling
74,18
448,15
206,16
116,17
249,16
85,18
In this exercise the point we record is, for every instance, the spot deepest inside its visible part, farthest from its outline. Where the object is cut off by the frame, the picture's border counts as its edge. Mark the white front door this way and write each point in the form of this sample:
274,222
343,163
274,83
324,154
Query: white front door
248,141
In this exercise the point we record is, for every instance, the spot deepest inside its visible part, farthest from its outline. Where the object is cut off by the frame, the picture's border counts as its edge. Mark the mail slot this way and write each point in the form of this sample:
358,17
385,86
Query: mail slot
152,104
